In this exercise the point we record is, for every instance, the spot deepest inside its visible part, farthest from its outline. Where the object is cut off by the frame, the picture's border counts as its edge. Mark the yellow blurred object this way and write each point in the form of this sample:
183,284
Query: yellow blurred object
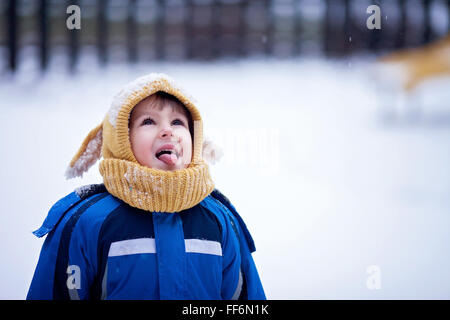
422,63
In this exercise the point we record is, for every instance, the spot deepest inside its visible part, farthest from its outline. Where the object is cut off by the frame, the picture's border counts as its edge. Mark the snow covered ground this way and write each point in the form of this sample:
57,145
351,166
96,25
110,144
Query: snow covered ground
341,204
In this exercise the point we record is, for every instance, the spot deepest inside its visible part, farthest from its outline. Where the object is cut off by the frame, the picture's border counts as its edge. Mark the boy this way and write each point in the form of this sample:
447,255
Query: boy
156,228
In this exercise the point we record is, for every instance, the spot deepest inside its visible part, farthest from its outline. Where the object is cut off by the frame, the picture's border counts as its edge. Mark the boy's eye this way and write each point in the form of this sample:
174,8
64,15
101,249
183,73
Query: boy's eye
178,121
147,121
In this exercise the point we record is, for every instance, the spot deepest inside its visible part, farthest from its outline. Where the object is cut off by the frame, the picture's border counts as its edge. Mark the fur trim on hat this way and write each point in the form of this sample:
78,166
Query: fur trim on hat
144,83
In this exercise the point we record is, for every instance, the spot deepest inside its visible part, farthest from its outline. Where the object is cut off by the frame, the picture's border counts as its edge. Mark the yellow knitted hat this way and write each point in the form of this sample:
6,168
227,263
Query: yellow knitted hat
139,186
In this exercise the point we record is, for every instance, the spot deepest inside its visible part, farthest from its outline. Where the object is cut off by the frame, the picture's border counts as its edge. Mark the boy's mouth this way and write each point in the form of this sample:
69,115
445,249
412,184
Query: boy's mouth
168,156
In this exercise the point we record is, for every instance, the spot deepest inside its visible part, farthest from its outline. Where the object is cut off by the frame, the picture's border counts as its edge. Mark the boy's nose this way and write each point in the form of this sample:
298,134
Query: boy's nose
166,132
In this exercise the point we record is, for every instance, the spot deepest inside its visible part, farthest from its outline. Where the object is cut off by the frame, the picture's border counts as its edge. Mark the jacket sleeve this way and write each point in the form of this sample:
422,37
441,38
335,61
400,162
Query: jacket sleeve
252,288
231,264
52,274
82,262
46,274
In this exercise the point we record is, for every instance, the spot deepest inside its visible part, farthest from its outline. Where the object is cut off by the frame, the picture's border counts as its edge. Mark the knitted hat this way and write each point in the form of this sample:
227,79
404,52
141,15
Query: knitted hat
142,187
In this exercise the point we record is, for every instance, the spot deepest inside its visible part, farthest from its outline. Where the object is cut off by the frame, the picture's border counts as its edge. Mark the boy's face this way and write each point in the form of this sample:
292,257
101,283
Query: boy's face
153,130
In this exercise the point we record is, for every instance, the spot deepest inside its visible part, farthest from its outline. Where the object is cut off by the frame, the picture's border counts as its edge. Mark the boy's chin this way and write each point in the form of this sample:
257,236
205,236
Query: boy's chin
167,167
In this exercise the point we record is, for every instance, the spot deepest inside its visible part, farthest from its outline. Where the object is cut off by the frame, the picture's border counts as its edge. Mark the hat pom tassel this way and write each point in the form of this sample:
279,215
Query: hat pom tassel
87,155
212,153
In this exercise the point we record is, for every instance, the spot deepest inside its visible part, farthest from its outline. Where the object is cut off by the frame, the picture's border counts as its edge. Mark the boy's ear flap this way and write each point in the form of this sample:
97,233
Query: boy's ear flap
87,155
211,152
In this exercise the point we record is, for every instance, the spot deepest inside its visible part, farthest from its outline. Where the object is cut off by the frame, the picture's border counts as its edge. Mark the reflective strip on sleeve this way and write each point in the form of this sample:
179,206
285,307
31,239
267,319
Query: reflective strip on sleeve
238,291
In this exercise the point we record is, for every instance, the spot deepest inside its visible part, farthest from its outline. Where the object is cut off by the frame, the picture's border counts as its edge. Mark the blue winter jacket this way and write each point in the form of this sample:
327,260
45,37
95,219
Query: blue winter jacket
99,247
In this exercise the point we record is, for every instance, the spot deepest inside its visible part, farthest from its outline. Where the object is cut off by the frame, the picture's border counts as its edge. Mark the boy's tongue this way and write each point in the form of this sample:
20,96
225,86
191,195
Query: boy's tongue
170,159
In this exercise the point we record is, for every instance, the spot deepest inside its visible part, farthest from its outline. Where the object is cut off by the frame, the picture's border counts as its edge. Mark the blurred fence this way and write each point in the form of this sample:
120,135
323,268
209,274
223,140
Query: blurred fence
141,30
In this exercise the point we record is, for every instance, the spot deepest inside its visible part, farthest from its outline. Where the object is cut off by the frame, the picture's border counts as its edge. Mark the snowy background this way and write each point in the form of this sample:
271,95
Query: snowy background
329,181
